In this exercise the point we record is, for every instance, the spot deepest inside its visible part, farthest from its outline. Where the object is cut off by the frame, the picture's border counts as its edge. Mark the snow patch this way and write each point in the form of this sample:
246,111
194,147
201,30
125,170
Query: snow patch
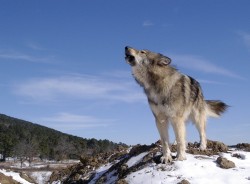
99,172
196,169
135,160
15,176
41,177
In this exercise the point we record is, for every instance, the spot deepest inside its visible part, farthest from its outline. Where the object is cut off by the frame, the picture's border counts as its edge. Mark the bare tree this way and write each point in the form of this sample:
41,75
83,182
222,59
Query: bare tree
25,150
63,149
20,151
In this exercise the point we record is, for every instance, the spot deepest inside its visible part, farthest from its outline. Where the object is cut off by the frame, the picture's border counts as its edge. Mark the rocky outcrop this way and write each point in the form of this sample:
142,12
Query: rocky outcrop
213,148
84,172
243,146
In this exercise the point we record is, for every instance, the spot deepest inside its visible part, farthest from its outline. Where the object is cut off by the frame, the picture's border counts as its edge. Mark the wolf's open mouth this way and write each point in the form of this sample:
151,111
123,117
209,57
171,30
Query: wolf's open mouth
130,59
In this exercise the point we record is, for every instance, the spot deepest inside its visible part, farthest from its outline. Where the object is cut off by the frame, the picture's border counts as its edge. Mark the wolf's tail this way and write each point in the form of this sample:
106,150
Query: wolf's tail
216,107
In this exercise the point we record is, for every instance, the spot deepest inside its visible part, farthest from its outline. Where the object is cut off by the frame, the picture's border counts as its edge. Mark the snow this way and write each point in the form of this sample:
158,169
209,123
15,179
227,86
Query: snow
56,182
15,176
99,172
135,160
196,169
18,165
41,177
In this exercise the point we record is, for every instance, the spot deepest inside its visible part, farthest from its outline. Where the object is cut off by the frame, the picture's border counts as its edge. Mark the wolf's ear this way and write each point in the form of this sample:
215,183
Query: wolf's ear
164,61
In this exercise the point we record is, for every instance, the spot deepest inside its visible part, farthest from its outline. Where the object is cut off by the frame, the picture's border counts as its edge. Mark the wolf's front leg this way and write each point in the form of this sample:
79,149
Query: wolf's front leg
162,126
180,134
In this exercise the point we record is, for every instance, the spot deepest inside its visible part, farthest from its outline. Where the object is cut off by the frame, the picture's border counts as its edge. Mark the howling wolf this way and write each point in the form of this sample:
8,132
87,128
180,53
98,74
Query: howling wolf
173,98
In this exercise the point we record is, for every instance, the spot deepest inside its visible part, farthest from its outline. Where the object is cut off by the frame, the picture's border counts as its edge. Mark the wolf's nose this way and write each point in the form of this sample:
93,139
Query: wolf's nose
127,47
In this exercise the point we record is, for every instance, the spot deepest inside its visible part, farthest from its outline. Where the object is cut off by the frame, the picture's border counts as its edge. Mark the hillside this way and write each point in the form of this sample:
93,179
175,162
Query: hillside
19,138
141,164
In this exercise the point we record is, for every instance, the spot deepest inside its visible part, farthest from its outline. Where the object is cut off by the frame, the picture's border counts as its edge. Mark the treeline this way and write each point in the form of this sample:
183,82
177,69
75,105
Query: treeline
25,140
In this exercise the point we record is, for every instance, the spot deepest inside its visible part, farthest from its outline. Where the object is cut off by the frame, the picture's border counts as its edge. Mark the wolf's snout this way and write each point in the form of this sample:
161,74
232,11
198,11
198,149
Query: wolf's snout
126,48
129,56
128,51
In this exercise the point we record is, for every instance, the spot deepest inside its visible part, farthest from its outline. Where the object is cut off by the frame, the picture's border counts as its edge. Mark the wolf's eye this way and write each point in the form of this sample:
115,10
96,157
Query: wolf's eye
143,51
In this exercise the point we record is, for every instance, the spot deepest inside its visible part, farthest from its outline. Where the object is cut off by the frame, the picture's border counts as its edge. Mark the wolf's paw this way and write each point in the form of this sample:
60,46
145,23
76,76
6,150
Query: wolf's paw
181,157
166,159
203,146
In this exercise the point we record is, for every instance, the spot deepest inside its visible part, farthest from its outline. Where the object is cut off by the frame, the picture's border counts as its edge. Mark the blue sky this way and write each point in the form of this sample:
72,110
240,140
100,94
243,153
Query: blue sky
62,63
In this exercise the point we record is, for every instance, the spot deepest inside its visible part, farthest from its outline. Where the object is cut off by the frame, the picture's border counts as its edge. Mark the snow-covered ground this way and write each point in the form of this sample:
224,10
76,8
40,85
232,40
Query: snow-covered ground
38,171
15,176
135,160
41,177
196,169
99,172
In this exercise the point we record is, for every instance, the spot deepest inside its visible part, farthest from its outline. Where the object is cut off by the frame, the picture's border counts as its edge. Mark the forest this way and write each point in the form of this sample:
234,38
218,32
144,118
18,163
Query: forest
25,140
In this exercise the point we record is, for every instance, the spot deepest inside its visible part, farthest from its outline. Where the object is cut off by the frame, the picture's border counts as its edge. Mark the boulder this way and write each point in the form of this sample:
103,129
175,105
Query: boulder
225,163
184,182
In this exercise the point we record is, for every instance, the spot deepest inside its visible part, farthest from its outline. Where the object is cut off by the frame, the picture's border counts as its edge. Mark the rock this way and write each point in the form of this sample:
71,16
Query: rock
84,160
184,182
122,169
225,163
239,156
122,181
217,146
243,146
136,150
117,156
213,148
102,180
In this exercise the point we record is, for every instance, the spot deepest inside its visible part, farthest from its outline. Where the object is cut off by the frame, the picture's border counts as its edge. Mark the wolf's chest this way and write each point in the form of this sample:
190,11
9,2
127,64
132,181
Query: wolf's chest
156,98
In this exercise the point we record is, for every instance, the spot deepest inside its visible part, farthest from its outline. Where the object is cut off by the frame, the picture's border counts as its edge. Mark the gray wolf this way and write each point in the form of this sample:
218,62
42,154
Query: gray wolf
173,98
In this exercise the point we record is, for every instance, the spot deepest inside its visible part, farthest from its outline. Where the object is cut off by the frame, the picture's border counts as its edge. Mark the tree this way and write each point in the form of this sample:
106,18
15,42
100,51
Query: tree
63,149
25,150
20,152
6,145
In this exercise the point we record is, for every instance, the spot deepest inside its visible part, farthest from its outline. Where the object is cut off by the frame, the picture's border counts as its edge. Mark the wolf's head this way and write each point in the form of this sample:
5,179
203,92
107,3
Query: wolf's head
145,58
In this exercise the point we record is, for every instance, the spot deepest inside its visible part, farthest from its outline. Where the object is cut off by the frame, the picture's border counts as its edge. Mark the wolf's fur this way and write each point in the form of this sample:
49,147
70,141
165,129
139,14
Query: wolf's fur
173,98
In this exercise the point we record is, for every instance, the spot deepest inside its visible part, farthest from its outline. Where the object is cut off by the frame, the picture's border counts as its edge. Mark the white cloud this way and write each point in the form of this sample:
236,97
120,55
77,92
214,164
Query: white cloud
35,46
147,23
200,64
17,56
245,37
68,121
210,82
67,117
83,87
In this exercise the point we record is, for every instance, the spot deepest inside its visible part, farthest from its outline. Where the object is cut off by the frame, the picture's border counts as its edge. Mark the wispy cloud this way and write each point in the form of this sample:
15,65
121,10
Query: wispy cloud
17,56
35,46
84,87
204,81
69,121
147,23
200,64
245,37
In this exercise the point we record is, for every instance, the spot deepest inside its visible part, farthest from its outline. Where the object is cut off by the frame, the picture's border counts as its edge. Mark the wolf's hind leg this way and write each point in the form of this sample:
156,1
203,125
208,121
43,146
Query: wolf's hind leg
200,123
